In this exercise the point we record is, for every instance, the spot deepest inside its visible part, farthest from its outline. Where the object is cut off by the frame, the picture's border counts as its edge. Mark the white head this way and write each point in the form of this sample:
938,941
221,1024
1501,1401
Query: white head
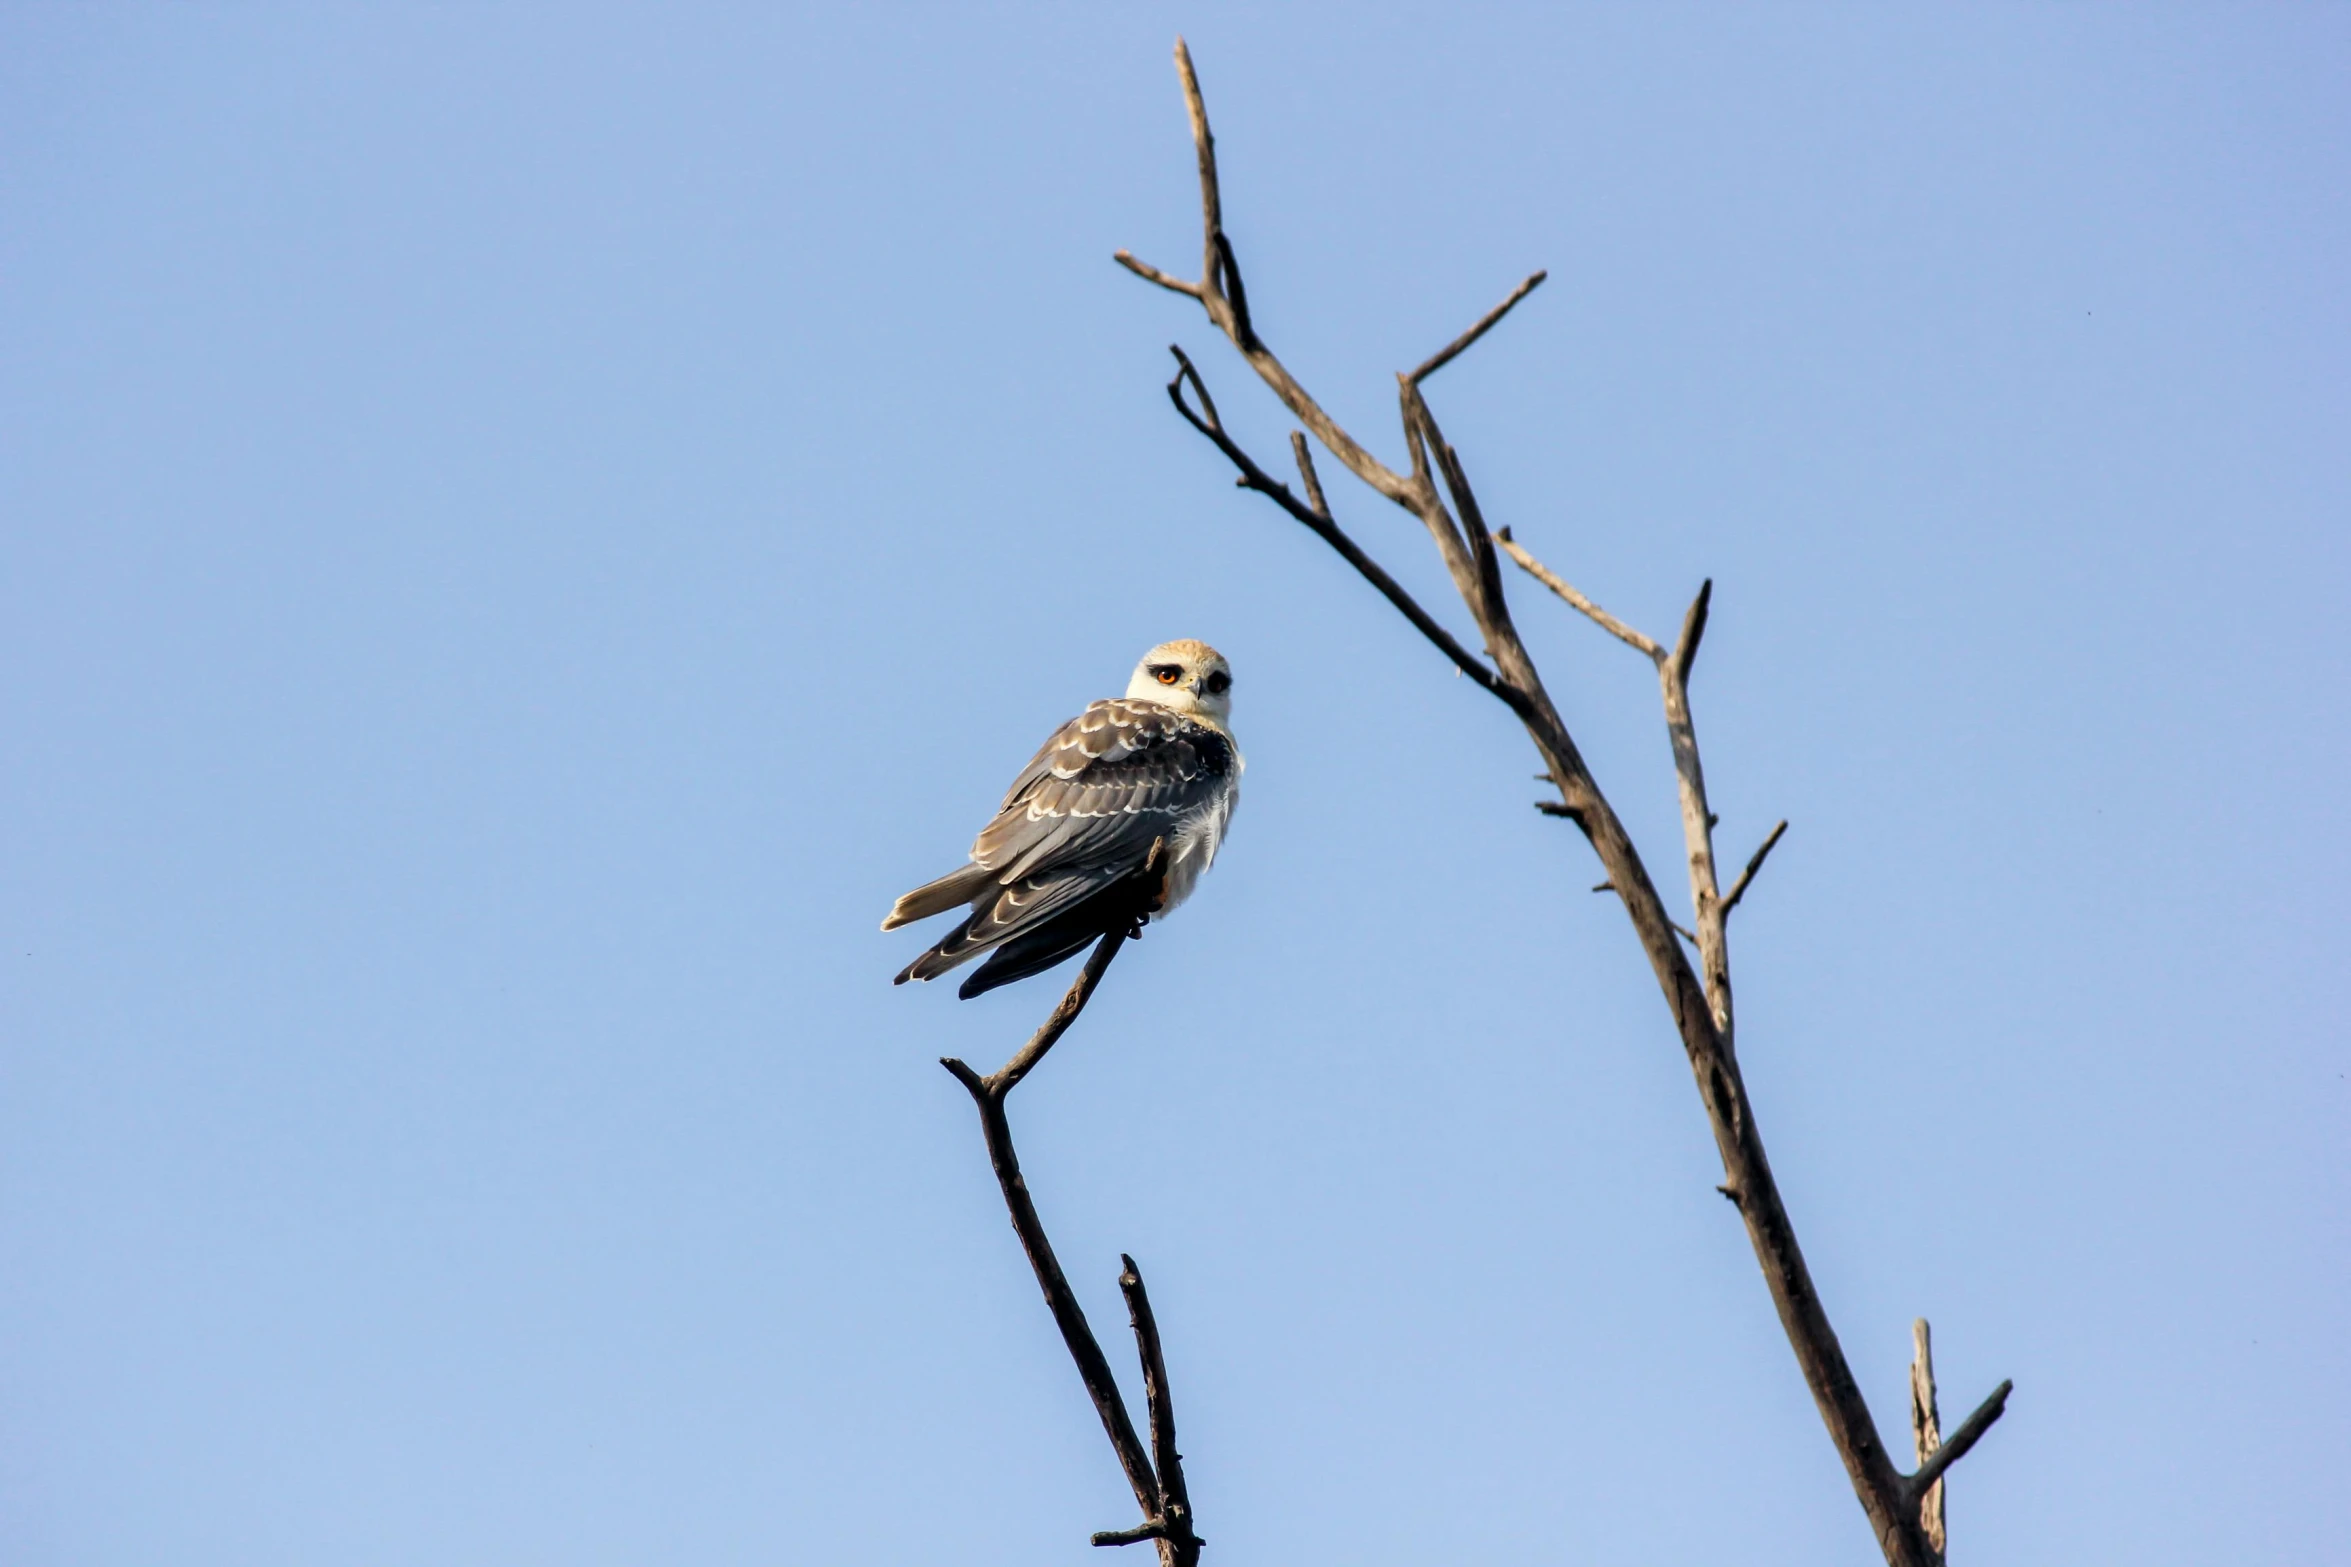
1189,676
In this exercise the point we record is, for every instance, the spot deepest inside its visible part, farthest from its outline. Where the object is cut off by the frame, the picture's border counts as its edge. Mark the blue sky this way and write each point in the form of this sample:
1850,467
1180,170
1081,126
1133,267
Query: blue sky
527,527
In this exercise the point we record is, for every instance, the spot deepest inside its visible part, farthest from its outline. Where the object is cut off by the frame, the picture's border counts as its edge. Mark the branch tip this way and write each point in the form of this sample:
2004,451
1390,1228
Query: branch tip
1685,648
1485,323
1566,590
1754,864
1151,274
1970,1431
1256,478
1154,1530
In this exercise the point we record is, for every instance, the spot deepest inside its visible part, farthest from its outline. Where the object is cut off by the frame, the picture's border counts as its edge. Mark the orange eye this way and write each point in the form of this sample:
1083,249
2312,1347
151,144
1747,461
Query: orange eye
1166,674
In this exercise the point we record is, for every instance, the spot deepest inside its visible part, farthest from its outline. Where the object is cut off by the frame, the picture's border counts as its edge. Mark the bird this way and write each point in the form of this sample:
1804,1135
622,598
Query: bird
1111,824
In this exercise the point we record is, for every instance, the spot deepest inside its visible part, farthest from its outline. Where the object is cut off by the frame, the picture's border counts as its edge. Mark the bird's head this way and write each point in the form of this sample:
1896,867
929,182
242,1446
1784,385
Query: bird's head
1190,677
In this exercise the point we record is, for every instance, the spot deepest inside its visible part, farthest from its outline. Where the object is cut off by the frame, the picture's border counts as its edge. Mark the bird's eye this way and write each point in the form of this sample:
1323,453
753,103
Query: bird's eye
1219,683
1166,674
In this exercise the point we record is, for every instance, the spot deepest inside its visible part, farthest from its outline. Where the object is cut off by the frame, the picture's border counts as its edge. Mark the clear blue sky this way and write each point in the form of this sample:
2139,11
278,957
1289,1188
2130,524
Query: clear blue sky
525,527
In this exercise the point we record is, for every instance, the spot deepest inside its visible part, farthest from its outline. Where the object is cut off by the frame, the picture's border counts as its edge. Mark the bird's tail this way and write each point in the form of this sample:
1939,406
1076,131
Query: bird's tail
937,897
1020,942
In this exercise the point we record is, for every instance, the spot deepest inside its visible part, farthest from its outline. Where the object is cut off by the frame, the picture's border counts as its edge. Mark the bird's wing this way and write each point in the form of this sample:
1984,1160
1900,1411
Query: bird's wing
1108,783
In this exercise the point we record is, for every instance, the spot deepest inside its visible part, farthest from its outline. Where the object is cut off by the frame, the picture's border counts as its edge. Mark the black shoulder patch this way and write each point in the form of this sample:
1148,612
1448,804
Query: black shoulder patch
1213,749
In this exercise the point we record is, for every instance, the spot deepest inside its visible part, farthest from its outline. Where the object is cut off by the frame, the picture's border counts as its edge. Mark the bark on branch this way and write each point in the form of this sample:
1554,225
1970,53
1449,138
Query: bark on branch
1436,490
1158,1486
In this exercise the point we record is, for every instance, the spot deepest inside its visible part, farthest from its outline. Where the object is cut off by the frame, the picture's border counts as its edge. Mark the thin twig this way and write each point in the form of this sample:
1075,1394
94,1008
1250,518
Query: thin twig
1566,590
1256,478
1490,602
1970,1431
1080,992
1209,291
1211,199
1738,890
1685,647
1154,1530
1446,355
1426,443
1151,274
1548,808
1175,1502
1306,474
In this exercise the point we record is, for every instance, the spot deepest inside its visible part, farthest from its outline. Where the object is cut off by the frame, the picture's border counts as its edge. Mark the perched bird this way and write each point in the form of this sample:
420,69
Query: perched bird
1069,856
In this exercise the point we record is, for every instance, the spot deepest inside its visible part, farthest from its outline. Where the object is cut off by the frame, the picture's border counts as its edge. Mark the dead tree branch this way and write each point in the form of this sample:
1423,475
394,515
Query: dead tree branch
1445,356
1566,590
1317,516
1754,863
1159,1488
1437,491
1971,1431
1175,1503
1926,1432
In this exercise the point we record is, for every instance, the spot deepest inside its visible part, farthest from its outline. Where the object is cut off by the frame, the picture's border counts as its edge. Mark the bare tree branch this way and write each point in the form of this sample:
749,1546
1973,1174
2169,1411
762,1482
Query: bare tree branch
1306,474
1214,251
1154,1530
1566,590
1175,1503
1754,863
1179,1547
1926,1431
1228,282
1956,1447
1446,355
1700,1006
1151,274
1211,193
988,1093
1318,518
1454,547
1548,808
1714,958
1685,647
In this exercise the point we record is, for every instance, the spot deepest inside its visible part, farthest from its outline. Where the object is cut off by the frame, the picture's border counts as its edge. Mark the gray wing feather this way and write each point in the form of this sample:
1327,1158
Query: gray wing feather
1115,777
1083,813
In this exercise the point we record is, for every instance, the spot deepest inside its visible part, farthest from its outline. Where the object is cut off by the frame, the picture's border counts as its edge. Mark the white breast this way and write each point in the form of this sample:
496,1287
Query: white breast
1198,834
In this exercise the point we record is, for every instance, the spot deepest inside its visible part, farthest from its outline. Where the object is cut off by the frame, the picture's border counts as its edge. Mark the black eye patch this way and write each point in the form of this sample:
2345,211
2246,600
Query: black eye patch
1219,683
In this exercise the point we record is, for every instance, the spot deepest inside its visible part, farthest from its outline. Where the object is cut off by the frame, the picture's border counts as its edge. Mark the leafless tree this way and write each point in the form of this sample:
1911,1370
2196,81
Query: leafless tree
1905,1511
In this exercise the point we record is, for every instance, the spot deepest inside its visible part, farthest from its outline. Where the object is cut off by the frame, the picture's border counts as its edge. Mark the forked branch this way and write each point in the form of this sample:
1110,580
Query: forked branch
1436,489
1971,1430
1158,1487
1317,516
